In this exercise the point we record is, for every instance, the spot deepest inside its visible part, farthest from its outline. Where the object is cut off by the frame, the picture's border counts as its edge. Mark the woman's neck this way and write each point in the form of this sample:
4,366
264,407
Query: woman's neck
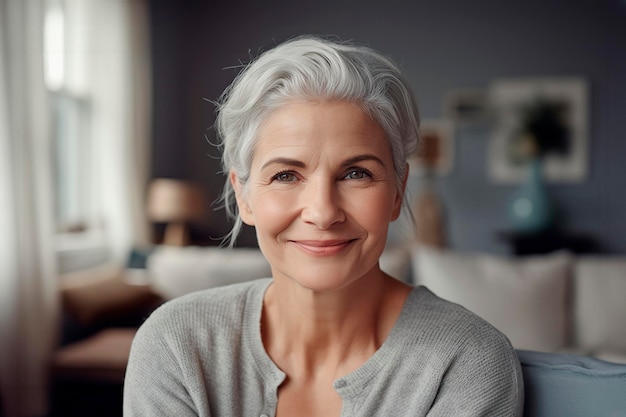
309,333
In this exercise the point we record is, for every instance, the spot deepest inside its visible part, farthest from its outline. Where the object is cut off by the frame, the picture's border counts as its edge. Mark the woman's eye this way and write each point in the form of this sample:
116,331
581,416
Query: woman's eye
284,177
357,174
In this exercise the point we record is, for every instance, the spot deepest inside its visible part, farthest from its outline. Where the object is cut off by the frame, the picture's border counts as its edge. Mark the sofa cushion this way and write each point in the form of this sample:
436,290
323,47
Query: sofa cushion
525,298
558,385
175,271
599,306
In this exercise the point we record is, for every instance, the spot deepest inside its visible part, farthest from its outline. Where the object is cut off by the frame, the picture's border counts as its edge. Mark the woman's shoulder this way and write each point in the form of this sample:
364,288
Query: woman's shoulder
451,323
476,361
226,296
214,308
458,339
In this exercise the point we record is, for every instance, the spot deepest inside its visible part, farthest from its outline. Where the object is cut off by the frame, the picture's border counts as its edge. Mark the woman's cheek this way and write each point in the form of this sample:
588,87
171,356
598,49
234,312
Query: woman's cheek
275,207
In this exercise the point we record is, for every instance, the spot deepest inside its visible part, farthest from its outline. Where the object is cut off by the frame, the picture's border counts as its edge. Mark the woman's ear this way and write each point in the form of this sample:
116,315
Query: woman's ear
245,211
397,207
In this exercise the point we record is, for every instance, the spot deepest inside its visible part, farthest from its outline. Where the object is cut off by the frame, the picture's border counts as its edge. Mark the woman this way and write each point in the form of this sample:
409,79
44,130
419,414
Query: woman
315,136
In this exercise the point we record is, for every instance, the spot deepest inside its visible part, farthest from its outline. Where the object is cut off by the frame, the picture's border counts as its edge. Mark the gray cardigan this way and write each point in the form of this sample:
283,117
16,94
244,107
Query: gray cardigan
202,355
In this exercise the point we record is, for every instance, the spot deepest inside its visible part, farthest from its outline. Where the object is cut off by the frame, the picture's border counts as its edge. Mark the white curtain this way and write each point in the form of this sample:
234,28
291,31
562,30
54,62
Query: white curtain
120,85
28,296
117,64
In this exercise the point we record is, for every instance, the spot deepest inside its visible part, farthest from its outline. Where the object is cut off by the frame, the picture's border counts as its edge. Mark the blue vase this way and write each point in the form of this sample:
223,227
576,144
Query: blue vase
531,210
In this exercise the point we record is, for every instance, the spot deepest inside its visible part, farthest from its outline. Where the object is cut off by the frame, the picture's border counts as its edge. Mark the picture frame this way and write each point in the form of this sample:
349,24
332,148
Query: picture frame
435,153
513,100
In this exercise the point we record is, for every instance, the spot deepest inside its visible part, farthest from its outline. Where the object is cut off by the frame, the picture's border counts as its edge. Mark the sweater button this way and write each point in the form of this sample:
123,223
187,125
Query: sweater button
264,415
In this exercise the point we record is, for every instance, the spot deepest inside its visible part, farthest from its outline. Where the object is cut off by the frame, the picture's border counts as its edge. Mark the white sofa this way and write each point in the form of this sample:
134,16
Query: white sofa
552,303
174,271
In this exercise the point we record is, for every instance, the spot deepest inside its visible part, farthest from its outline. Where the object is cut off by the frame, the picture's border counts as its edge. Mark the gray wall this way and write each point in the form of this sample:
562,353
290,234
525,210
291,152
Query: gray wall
441,46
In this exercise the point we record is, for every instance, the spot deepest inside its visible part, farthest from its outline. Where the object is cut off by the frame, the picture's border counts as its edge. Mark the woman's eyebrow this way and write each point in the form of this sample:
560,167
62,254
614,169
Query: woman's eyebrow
284,161
299,164
360,158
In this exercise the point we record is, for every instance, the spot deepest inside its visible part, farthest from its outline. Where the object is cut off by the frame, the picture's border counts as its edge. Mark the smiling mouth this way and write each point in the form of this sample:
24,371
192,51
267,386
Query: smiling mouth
323,247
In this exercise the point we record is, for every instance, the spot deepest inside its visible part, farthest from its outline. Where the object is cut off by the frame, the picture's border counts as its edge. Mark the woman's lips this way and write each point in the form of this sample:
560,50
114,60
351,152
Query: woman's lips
322,247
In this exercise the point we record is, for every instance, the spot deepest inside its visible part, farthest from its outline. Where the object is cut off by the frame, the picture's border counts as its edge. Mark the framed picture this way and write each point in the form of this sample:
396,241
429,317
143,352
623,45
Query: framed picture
435,154
544,117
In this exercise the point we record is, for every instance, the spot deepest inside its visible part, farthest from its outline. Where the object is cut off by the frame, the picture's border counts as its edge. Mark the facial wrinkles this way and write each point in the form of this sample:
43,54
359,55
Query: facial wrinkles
321,203
335,162
310,141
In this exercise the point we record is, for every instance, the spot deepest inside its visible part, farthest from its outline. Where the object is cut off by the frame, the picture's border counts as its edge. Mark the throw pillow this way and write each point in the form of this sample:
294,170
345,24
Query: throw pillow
176,271
524,298
599,307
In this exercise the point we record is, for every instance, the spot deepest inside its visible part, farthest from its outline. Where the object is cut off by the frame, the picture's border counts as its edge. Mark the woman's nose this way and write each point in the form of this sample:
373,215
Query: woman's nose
321,204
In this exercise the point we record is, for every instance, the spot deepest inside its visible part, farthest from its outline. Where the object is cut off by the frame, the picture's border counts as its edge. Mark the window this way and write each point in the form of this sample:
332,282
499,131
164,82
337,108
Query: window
65,52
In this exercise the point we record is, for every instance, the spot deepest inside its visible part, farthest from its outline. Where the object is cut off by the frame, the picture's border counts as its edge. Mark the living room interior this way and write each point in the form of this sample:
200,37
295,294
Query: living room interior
521,226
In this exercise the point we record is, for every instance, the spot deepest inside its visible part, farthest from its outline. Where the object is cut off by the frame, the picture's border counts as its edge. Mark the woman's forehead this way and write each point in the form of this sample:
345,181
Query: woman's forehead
331,131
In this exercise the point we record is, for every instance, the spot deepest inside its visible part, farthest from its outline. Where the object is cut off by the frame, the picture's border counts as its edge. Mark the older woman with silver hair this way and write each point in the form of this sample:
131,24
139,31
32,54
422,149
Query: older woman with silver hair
315,136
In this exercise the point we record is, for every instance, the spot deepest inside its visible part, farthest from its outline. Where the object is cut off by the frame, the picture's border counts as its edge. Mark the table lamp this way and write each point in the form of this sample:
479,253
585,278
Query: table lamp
176,203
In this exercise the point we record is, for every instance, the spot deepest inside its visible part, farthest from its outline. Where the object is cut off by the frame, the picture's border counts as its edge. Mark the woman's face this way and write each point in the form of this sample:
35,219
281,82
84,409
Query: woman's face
321,194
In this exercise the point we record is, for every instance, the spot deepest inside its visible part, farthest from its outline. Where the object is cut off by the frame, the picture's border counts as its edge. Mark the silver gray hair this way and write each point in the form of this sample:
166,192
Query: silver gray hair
312,68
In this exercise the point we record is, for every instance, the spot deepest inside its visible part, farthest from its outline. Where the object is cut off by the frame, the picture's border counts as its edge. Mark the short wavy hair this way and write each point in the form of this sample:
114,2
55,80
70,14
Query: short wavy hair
312,68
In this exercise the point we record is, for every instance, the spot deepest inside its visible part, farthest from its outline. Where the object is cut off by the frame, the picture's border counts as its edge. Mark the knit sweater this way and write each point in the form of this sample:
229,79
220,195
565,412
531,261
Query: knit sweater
202,355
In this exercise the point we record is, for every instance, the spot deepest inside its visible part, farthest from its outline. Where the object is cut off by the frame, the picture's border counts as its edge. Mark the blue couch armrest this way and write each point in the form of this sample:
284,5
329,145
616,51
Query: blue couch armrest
559,385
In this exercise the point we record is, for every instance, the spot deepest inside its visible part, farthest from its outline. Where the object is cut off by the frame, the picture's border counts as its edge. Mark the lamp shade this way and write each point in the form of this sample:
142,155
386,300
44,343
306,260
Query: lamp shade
171,200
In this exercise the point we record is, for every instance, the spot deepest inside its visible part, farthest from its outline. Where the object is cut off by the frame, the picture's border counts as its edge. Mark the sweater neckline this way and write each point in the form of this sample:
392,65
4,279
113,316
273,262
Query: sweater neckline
348,385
